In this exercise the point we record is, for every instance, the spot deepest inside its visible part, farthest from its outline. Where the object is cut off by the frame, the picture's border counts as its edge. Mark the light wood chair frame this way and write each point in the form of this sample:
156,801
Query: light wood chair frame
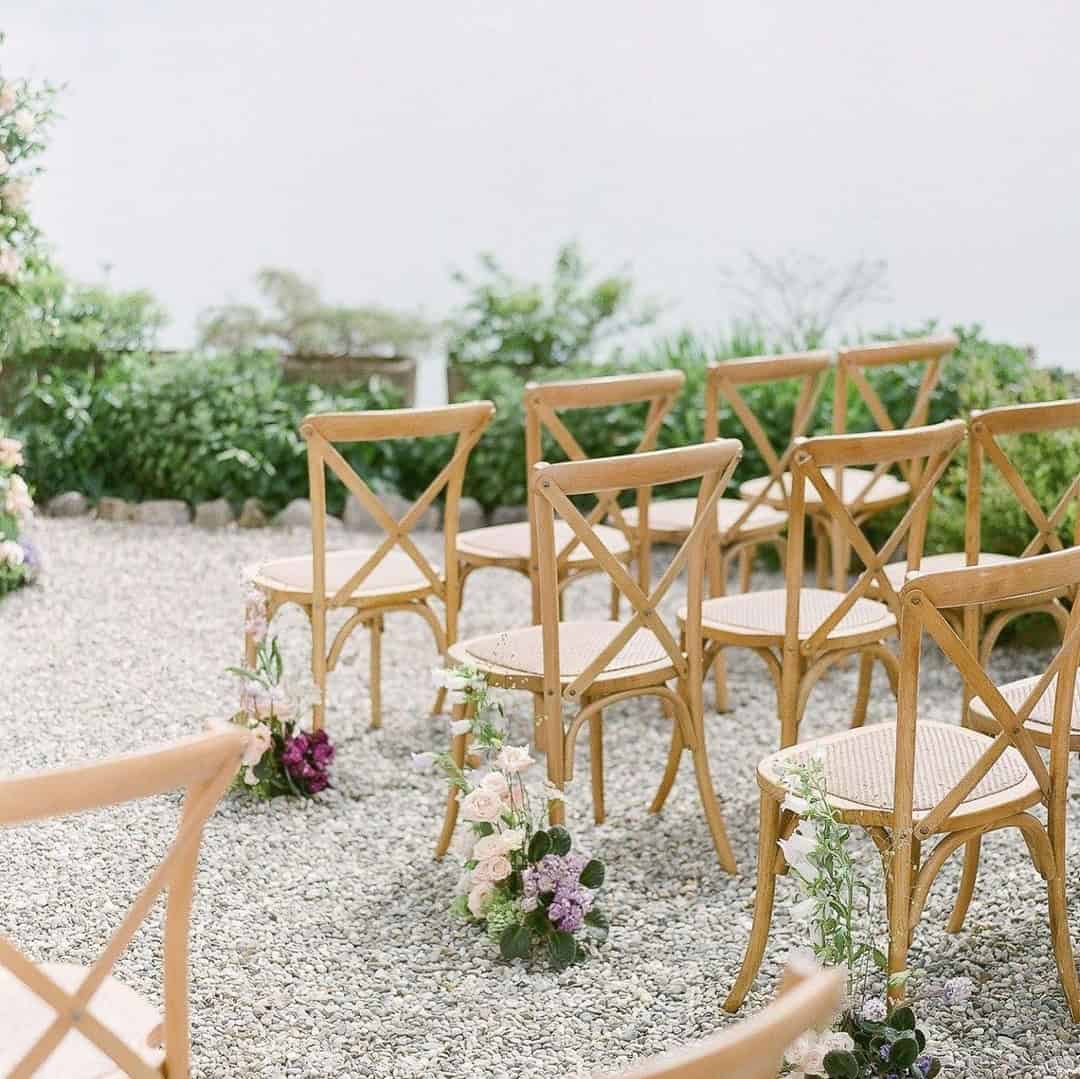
204,766
322,432
808,1000
551,489
544,401
851,367
899,834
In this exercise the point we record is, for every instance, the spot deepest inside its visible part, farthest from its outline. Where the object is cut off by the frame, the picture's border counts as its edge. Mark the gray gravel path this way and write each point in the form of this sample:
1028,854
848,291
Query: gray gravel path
321,942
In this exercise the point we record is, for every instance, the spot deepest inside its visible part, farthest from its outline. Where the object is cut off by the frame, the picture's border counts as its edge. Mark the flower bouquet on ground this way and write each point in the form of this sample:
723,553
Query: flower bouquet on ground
870,1038
19,561
521,880
281,759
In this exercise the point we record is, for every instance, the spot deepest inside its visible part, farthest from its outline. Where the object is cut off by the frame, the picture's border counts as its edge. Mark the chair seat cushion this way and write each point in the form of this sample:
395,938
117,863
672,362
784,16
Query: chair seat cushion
512,542
579,644
397,573
25,1017
677,515
859,765
938,563
886,488
761,614
1041,719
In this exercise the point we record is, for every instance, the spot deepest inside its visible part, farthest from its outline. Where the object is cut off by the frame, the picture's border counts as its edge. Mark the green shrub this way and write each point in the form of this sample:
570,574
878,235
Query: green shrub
192,428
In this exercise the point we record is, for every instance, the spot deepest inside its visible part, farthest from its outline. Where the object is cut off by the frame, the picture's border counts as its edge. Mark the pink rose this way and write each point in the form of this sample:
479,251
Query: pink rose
496,783
480,897
498,844
10,453
481,805
494,869
513,759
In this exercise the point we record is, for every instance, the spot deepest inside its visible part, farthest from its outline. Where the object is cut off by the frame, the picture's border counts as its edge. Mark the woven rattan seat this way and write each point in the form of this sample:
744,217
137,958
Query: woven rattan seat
897,571
26,1017
761,614
511,542
579,644
886,489
860,766
395,574
676,516
1041,719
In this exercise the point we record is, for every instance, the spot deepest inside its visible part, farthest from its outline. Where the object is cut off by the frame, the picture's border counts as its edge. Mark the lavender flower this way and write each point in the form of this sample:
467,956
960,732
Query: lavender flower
558,875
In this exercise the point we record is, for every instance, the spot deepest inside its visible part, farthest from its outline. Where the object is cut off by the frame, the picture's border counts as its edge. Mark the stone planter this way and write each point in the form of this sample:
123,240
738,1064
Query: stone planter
339,370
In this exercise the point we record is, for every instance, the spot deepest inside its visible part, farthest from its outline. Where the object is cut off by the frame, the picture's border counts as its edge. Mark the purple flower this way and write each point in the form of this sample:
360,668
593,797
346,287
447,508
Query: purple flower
924,1062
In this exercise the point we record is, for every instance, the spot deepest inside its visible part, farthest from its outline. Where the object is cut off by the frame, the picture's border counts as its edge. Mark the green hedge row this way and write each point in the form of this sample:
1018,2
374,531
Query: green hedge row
198,428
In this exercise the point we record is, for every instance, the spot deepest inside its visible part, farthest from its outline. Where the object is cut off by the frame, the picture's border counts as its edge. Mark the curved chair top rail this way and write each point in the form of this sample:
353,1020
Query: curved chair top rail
649,469
606,389
972,585
1021,419
883,447
889,352
754,1049
375,424
773,368
61,791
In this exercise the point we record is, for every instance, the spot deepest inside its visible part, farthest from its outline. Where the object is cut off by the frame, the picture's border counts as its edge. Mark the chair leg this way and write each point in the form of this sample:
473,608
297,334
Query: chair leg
538,722
596,764
723,699
615,596
746,565
458,745
670,769
822,551
1063,950
967,885
318,665
764,896
375,627
898,881
862,695
711,805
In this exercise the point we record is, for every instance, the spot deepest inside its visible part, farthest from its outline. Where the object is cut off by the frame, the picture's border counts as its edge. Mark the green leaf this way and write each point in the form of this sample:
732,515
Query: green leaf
539,845
904,1051
592,876
560,841
881,960
563,949
902,1018
840,1064
597,919
515,942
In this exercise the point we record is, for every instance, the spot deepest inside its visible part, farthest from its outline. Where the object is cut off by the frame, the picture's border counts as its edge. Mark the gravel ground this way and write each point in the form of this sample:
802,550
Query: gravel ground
321,943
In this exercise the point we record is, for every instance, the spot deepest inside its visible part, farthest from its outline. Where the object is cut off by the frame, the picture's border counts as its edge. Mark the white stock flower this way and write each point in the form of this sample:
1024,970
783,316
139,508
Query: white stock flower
796,804
250,778
25,121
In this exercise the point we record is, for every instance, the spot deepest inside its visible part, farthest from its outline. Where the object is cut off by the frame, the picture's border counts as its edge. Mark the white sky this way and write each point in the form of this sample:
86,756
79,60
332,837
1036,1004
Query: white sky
377,145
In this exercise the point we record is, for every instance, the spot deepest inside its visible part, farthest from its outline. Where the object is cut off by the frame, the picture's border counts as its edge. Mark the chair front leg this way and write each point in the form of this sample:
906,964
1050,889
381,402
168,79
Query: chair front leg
596,763
458,747
967,885
375,627
317,620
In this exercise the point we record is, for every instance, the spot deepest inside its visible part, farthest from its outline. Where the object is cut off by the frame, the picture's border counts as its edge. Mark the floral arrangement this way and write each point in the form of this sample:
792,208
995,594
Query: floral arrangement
281,759
19,561
870,1038
520,880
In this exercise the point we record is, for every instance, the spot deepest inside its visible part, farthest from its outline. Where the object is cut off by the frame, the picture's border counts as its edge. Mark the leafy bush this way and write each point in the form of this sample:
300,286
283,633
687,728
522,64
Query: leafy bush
192,428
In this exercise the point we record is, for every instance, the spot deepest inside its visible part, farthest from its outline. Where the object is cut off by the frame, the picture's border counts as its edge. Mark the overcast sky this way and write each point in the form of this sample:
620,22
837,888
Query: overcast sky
377,145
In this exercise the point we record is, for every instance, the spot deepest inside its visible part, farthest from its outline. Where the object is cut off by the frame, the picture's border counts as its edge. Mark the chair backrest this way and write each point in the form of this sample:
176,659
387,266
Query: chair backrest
545,400
754,1049
986,428
553,487
923,600
203,767
325,431
726,380
852,364
931,448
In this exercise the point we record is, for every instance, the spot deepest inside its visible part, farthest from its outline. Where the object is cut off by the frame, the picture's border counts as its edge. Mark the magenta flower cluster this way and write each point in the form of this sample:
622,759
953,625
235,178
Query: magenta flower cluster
307,758
559,875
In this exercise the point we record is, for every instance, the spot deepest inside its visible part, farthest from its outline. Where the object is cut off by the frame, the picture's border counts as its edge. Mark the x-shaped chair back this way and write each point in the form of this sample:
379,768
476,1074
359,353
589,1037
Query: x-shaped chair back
204,767
852,365
543,403
324,432
726,380
923,600
553,487
931,448
986,428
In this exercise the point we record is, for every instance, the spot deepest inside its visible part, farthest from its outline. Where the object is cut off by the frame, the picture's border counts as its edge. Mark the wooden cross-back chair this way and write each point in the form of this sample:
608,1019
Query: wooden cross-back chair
754,1048
388,576
759,516
510,546
869,493
69,1022
801,632
915,781
591,665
